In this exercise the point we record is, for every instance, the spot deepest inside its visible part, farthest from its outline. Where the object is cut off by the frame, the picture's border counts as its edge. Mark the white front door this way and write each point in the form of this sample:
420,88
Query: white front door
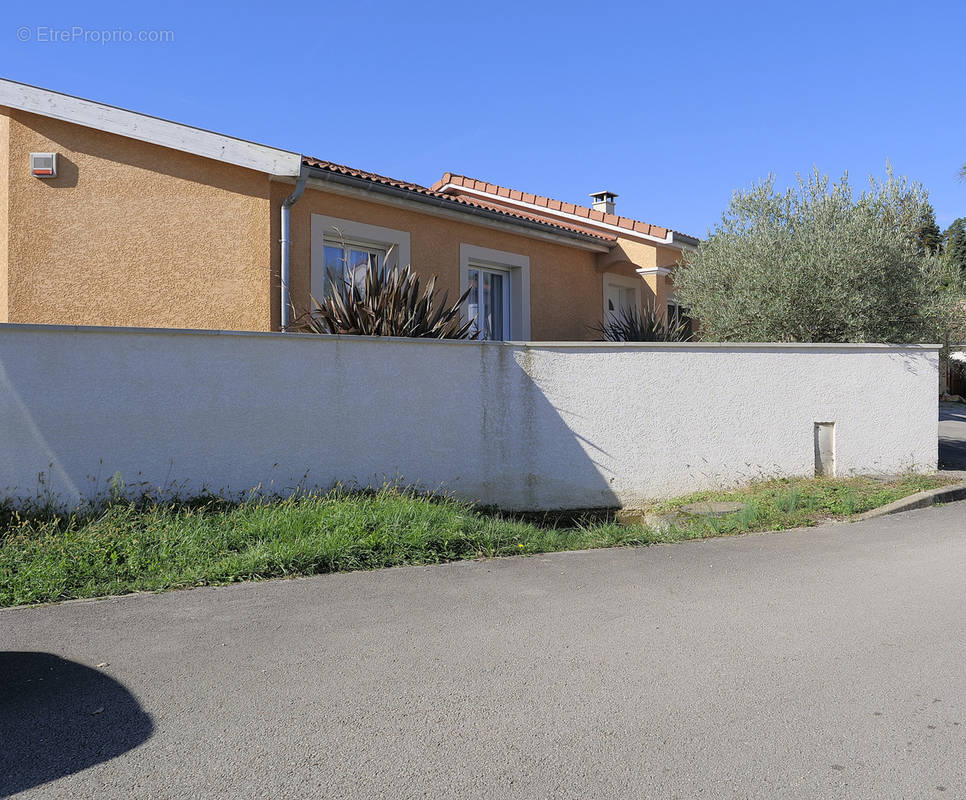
619,298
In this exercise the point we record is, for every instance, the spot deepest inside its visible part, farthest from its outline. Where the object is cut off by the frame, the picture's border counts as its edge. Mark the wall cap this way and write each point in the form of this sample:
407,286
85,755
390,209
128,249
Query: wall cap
22,327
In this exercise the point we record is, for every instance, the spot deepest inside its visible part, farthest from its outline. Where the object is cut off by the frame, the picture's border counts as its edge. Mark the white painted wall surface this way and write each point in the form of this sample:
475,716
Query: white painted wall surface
523,426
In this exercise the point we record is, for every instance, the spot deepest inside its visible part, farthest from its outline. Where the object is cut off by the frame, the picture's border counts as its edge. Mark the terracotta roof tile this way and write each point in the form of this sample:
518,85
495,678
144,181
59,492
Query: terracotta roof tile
451,179
609,237
462,200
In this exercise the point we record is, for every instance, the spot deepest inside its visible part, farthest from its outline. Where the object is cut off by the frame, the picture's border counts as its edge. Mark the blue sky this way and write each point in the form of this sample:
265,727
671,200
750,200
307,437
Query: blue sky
672,105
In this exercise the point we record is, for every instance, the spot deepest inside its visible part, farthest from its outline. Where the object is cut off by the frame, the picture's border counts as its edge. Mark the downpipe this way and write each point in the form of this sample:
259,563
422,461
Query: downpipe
287,203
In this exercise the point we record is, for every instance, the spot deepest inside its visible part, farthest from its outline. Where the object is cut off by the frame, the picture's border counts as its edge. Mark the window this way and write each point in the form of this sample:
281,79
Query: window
347,248
488,303
351,261
678,314
497,285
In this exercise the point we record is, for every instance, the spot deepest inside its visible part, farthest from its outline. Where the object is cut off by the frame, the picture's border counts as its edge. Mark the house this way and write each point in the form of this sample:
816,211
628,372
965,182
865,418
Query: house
112,217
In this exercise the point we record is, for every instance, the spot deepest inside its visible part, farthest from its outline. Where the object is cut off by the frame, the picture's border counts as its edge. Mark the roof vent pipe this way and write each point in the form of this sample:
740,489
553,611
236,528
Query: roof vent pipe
604,201
287,203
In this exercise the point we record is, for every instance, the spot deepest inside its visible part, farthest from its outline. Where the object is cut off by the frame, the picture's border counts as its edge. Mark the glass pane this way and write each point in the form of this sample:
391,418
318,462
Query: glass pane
357,266
333,261
628,297
473,302
486,319
493,300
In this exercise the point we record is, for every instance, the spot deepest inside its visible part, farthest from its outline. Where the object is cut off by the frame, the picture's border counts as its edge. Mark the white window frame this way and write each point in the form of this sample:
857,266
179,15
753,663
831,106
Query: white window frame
518,267
350,232
506,275
625,282
347,245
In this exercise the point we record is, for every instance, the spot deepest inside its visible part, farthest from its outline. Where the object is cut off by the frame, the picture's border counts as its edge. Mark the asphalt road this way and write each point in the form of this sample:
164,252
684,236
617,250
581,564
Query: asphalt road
823,663
952,436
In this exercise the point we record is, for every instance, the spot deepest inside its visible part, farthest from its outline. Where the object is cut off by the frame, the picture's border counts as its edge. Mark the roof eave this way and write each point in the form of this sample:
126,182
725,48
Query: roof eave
146,128
684,241
584,240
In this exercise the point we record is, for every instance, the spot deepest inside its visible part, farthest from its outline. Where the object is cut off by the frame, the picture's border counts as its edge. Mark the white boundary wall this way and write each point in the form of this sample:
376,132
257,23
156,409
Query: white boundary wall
522,426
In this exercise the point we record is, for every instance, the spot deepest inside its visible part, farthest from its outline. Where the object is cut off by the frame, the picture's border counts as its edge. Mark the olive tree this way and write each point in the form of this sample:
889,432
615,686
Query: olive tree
818,263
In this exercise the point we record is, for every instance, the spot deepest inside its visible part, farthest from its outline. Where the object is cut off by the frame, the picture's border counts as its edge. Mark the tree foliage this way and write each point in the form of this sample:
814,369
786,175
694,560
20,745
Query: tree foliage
954,246
818,263
928,233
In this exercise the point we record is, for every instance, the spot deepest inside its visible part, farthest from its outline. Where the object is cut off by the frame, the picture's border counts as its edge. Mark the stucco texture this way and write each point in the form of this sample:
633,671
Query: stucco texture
4,209
520,426
131,233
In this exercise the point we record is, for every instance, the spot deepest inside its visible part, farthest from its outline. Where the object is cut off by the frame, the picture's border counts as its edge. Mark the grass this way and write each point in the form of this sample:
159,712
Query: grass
800,502
123,546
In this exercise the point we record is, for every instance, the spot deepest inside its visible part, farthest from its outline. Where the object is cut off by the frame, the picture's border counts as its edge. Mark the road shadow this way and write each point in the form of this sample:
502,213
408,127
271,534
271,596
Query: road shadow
58,717
952,412
952,454
952,436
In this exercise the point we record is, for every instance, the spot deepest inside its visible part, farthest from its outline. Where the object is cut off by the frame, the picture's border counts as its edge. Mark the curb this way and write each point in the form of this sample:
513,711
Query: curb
944,494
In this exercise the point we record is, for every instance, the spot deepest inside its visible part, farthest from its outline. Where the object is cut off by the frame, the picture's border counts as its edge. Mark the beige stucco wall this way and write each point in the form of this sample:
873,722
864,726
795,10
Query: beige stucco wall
667,257
566,289
131,233
630,255
4,196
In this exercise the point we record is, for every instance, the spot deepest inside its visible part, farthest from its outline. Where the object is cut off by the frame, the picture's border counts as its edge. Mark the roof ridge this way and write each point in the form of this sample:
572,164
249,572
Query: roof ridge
552,204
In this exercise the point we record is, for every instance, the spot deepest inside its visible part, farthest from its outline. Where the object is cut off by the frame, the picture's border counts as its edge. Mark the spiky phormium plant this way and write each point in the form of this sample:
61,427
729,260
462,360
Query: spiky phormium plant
390,303
633,325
